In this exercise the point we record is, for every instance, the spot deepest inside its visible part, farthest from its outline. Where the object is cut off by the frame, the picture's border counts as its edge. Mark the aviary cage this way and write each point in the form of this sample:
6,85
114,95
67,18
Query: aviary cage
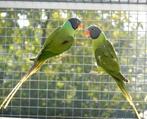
69,86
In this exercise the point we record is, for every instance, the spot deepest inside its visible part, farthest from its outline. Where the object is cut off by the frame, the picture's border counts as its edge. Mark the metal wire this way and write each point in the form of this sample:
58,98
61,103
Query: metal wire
68,86
94,1
71,5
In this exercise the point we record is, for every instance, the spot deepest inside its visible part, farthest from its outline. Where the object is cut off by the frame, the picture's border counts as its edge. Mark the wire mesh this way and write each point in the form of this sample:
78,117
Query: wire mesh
94,1
70,85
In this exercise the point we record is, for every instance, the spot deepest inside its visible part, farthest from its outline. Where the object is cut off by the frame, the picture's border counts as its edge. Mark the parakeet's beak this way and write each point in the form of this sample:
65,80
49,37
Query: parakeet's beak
81,26
87,33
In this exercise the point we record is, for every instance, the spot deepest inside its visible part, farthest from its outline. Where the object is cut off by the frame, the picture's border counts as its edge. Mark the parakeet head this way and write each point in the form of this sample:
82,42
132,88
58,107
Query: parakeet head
93,32
75,23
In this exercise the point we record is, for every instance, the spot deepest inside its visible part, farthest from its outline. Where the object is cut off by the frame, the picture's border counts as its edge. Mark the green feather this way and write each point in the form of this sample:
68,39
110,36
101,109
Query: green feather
59,41
106,58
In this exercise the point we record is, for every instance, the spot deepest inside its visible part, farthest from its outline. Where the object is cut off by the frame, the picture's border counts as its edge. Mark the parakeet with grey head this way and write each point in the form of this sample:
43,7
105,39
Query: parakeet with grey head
106,58
59,41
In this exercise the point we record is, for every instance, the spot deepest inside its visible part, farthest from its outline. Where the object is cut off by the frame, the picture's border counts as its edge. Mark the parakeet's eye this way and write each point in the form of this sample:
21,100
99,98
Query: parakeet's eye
75,23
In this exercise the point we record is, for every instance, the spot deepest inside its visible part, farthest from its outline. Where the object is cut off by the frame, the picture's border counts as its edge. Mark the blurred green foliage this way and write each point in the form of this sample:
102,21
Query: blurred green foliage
69,85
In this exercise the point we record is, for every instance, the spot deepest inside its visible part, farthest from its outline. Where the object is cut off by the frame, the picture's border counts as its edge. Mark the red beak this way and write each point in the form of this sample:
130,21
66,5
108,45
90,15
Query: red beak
87,33
81,26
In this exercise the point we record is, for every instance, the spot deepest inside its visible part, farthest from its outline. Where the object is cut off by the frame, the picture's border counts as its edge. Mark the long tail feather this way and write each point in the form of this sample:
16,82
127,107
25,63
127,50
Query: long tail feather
32,70
125,93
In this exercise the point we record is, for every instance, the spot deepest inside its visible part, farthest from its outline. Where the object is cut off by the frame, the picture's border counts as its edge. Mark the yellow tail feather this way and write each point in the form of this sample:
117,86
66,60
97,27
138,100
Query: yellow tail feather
121,86
33,70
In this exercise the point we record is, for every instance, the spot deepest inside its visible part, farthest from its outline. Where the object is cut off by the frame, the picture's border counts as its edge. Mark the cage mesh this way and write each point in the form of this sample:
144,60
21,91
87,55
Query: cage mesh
93,1
70,85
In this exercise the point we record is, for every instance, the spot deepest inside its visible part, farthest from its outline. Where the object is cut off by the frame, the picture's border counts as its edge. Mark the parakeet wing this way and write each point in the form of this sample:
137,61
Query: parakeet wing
55,49
47,42
107,58
111,49
50,38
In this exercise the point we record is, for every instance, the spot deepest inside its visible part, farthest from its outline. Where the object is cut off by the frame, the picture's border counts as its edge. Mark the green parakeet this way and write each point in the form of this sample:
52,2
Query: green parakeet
106,58
59,41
